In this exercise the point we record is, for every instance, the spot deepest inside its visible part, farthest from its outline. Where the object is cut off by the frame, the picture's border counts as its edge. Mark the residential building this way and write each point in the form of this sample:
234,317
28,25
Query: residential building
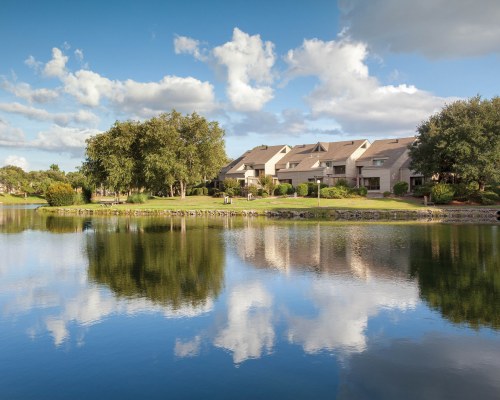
324,161
255,163
383,163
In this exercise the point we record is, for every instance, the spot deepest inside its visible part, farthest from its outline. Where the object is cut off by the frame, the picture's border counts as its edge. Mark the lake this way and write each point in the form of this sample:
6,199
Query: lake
225,308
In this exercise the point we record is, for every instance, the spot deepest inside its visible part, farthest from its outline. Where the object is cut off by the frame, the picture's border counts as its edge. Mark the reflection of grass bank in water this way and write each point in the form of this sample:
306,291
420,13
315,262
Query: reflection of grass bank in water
15,199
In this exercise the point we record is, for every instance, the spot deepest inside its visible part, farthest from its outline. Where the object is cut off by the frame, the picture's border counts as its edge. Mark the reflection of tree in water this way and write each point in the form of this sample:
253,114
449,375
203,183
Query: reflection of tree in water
166,262
458,269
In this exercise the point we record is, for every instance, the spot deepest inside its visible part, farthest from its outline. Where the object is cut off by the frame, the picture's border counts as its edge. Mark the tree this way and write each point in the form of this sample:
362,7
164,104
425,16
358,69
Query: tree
13,178
156,154
461,142
267,183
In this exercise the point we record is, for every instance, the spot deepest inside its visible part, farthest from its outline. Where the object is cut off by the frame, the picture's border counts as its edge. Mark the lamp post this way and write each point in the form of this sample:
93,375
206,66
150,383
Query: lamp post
318,182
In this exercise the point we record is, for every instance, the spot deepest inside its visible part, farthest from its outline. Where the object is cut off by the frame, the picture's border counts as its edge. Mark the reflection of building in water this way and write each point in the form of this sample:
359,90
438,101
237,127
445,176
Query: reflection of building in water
356,250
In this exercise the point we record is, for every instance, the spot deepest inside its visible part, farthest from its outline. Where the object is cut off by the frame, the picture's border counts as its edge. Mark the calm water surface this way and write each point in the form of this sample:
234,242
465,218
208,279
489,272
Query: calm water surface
246,308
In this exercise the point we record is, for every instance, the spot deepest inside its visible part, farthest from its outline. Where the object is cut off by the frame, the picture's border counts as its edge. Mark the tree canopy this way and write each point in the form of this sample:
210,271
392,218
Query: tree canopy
461,142
156,154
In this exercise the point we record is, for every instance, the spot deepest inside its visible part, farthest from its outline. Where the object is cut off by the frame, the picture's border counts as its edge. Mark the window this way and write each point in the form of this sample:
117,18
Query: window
247,167
327,164
416,181
371,183
339,169
379,161
360,170
292,165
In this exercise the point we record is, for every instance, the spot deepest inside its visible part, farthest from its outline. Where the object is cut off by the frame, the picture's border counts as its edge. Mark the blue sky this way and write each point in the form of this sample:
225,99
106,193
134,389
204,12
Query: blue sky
271,72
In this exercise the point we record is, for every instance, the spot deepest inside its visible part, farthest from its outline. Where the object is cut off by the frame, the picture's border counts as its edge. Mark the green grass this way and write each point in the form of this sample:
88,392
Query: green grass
270,203
15,199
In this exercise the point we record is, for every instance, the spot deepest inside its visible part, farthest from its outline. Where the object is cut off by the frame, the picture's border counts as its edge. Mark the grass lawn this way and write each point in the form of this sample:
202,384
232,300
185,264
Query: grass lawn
14,199
270,203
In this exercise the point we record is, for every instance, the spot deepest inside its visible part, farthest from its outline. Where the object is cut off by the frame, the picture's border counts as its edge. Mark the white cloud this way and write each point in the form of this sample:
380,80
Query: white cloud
18,161
79,54
187,45
79,117
191,348
24,91
356,100
63,139
249,62
141,99
33,63
9,134
56,67
437,29
249,331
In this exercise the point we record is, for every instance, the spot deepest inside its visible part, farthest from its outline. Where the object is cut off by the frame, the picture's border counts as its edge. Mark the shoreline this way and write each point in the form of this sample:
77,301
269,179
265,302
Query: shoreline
433,214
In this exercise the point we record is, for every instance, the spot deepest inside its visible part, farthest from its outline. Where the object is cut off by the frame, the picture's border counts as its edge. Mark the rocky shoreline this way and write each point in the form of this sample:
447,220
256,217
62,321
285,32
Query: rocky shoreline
427,214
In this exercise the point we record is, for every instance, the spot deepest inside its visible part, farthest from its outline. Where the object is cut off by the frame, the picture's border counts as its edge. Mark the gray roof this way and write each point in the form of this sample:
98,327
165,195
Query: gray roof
257,156
389,149
306,155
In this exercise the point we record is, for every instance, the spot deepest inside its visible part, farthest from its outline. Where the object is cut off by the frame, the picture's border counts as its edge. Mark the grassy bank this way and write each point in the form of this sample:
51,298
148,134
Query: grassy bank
13,199
270,203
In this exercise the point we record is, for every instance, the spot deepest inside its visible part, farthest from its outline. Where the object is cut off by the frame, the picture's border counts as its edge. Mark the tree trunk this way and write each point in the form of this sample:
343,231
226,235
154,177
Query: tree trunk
183,189
171,190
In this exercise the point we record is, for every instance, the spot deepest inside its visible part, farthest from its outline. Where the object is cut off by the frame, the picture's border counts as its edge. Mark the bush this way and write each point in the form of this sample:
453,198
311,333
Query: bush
362,191
86,195
197,191
312,188
400,188
486,198
252,189
137,198
60,194
204,190
387,194
342,183
230,183
442,193
283,189
423,190
302,189
335,192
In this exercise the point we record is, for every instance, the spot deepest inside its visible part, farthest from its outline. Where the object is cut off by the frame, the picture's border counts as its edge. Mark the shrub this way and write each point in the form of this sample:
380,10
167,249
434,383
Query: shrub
137,198
312,188
283,189
60,194
387,194
204,191
335,192
230,183
253,190
400,188
342,183
230,192
86,195
422,190
442,193
197,191
362,191
302,189
213,191
486,198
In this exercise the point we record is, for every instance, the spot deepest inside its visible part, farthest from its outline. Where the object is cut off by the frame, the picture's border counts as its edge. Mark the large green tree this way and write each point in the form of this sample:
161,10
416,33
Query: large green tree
157,154
461,142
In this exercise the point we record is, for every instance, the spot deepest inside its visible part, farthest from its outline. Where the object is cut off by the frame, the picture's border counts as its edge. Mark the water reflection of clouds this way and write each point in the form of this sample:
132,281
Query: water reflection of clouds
58,293
249,331
344,307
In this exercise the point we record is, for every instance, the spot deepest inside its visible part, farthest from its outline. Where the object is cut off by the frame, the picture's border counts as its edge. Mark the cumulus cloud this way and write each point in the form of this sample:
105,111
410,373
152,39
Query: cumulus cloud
33,63
248,61
187,45
26,92
437,29
79,117
347,92
56,67
18,161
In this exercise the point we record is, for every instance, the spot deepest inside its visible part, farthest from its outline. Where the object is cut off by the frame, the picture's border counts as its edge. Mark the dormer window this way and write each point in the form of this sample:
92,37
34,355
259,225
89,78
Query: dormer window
319,148
377,162
326,164
292,165
247,167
